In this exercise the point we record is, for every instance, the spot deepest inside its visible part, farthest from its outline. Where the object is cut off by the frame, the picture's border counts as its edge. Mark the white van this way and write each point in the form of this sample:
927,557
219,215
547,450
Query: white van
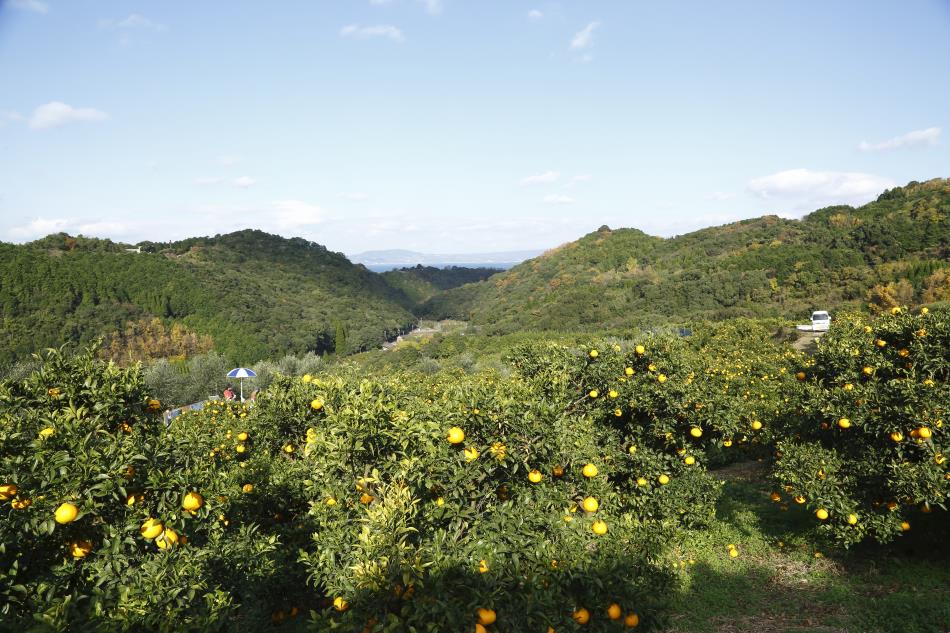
820,321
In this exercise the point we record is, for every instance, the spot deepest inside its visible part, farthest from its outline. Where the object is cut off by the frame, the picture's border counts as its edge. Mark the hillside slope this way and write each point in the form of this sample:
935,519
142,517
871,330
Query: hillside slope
893,250
256,295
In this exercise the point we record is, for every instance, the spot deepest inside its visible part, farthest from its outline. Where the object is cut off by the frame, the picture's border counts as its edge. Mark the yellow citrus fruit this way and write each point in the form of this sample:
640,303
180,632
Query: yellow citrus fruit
632,449
641,350
456,435
628,371
47,432
316,404
613,393
897,436
867,371
482,566
689,460
822,514
440,501
66,513
924,432
848,386
632,620
775,497
599,527
479,628
590,504
247,488
800,375
21,503
939,458
151,528
558,471
641,481
589,471
306,378
799,499
661,378
242,436
330,501
581,616
240,448
288,448
593,393
594,353
340,604
192,501
905,526
663,479
366,498
486,616
852,519
471,454
733,552
756,425
7,491
696,431
534,476
844,423
80,548
167,539
614,611
727,443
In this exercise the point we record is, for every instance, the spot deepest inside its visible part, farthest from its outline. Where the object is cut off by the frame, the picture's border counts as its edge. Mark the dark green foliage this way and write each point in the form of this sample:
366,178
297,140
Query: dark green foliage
256,295
423,282
769,266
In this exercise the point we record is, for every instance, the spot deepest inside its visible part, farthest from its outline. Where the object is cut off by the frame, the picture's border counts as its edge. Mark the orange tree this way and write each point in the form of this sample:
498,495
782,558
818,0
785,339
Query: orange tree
867,444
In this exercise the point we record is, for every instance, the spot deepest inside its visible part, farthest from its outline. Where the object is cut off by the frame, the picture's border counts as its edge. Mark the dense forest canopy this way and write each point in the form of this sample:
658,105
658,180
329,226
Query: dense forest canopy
891,251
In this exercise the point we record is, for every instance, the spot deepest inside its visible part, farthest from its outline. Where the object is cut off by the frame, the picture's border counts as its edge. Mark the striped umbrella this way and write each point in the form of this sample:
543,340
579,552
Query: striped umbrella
242,373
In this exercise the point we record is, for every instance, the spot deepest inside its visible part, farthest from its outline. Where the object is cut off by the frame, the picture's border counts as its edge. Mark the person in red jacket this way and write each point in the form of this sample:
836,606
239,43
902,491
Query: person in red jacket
229,393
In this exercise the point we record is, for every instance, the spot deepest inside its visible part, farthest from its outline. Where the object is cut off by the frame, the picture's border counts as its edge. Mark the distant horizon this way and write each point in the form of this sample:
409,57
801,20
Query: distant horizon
459,126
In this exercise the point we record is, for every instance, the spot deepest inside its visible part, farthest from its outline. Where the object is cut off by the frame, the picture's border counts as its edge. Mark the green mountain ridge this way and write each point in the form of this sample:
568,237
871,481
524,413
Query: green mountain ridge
893,250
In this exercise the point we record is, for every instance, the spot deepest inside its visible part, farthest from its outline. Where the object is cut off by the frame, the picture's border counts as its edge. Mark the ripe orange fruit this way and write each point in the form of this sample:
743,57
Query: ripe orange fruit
924,432
632,620
599,527
661,378
844,423
316,404
897,436
486,616
471,454
589,471
482,566
240,448
640,350
247,488
663,479
612,393
456,435
594,353
822,514
534,476
80,548
776,497
340,604
192,501
641,481
593,393
799,499
905,526
167,539
7,491
756,425
590,504
614,611
242,436
151,528
628,371
852,519
689,460
582,615
66,513
696,432
480,629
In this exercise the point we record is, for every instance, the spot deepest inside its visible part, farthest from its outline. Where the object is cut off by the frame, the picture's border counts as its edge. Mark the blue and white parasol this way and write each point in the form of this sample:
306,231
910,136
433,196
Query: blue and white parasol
242,373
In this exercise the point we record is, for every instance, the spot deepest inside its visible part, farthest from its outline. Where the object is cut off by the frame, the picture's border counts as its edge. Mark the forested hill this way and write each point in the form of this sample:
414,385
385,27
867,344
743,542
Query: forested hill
893,250
248,294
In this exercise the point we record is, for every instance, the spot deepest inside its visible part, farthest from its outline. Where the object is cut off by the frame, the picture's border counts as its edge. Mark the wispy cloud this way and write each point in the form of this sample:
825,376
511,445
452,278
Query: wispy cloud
539,179
133,21
41,227
432,6
585,37
56,113
241,182
366,32
915,138
807,189
534,15
30,5
557,198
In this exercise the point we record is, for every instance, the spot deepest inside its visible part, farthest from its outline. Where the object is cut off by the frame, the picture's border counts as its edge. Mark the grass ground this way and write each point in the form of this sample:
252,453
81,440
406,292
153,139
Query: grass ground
785,580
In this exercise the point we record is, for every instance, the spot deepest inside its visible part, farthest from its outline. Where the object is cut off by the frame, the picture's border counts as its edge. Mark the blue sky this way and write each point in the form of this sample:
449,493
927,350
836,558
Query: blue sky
459,125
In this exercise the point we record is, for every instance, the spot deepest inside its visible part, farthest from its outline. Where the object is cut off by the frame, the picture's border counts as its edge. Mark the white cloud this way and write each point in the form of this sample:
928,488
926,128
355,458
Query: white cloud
535,15
538,179
30,5
55,113
559,199
41,227
366,32
133,21
432,6
719,196
295,214
810,188
915,138
355,196
585,37
243,182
